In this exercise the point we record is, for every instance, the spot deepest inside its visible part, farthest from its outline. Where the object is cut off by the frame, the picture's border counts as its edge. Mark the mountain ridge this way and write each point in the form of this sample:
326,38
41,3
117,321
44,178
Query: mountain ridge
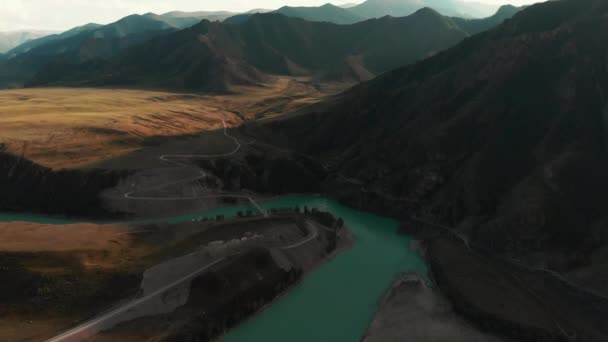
275,44
11,39
502,136
398,8
84,43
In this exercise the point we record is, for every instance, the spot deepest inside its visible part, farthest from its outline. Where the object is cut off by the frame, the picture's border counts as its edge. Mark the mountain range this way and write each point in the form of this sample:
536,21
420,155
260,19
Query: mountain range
399,8
27,46
213,56
353,13
503,136
327,13
84,43
91,54
200,15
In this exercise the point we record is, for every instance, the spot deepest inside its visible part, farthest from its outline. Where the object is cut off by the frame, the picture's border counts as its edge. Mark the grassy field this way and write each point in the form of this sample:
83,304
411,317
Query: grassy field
70,128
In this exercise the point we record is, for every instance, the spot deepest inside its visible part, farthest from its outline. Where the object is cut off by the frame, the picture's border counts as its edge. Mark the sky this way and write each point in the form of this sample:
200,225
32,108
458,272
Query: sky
65,14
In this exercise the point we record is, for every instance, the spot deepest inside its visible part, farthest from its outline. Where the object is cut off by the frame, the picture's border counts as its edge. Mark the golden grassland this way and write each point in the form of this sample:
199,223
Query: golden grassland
36,237
76,127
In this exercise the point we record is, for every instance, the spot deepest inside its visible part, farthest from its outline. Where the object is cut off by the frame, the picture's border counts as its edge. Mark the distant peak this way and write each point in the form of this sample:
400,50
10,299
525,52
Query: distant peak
426,11
507,6
507,11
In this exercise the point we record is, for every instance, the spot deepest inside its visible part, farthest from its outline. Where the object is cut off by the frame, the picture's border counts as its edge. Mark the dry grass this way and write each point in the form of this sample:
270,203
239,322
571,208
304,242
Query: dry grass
76,127
35,237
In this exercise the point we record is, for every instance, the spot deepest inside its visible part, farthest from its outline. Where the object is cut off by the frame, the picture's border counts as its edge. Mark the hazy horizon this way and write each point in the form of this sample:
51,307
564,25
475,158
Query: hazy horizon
57,15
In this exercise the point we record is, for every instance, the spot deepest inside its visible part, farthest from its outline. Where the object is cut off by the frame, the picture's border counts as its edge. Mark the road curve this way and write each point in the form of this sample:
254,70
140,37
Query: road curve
175,159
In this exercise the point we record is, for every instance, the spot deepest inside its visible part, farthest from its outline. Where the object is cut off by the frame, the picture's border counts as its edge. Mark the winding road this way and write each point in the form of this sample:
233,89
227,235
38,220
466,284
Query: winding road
176,159
105,321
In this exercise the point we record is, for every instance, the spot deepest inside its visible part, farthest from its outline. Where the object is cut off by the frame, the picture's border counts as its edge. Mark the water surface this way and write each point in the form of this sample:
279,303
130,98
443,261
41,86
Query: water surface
336,302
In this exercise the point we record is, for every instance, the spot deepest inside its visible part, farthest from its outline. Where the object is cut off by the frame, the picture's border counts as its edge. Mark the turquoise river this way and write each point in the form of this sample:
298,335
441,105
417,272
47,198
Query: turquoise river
338,300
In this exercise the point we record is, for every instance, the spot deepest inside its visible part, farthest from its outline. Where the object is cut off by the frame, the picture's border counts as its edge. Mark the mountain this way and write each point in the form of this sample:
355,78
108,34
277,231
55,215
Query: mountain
352,13
399,8
202,57
10,40
208,15
474,26
273,44
25,47
239,18
475,9
176,21
381,8
504,136
327,12
85,43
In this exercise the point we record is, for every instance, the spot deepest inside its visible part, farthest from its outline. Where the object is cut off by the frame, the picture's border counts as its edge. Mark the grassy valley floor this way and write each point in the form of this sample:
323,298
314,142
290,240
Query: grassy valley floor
76,127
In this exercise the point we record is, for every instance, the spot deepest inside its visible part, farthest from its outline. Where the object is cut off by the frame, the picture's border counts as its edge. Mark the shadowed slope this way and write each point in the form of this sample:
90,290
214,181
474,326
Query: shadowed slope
213,56
503,135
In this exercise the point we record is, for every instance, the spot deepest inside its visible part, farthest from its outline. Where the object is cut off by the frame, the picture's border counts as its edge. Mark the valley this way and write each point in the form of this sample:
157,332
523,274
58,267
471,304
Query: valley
70,128
326,173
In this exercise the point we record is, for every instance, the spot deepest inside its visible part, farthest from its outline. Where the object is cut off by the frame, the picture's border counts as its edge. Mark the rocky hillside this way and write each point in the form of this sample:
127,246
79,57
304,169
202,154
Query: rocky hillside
503,136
